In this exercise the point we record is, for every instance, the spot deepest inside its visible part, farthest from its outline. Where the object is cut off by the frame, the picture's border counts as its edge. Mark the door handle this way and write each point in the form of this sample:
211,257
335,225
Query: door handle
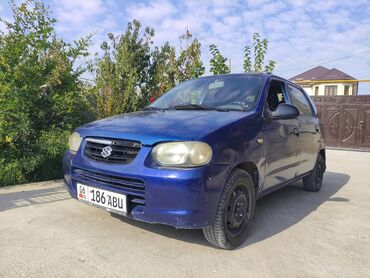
296,131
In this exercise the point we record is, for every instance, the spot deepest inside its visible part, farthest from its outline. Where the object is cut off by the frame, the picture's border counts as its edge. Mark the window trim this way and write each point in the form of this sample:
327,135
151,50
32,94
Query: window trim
346,93
335,90
316,92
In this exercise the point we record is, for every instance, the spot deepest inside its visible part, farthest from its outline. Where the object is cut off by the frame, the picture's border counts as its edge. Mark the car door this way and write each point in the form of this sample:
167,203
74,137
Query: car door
282,144
309,127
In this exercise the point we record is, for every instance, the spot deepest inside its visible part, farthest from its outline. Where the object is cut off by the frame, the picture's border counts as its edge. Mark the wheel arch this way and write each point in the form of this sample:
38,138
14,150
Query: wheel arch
322,152
252,169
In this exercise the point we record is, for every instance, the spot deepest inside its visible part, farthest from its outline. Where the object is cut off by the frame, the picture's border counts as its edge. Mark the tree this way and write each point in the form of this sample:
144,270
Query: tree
131,71
259,53
218,62
123,73
164,70
190,64
169,69
40,96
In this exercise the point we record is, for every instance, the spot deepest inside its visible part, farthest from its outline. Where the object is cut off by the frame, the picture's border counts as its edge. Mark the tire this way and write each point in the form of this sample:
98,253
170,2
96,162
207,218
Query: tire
314,180
234,213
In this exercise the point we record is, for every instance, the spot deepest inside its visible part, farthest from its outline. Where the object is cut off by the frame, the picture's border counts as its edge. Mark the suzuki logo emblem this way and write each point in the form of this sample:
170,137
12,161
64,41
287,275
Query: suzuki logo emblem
106,151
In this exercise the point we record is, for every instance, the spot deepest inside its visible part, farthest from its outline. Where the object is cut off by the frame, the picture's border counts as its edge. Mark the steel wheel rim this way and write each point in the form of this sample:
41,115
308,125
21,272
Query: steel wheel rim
237,211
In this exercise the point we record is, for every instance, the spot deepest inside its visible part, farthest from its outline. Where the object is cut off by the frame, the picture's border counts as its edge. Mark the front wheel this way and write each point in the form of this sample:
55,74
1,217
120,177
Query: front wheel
234,212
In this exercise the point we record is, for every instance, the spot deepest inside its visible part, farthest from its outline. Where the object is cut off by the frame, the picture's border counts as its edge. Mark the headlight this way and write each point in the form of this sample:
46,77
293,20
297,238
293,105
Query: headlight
74,142
182,154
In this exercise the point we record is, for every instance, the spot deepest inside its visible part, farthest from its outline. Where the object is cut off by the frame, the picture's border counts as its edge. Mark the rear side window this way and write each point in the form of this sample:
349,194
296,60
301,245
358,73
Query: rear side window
299,100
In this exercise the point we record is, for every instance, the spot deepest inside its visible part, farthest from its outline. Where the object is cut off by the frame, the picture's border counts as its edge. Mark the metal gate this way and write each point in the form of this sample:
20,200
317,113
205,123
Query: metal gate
346,121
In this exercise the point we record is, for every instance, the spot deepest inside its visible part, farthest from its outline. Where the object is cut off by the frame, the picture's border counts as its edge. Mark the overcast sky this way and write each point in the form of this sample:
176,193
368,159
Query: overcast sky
302,34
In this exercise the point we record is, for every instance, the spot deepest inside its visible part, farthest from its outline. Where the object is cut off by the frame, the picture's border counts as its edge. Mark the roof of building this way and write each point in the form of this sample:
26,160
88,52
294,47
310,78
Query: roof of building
322,73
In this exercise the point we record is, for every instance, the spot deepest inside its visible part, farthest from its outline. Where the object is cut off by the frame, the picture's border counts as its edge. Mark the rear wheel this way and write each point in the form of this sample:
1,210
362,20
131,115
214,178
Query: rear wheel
234,212
314,180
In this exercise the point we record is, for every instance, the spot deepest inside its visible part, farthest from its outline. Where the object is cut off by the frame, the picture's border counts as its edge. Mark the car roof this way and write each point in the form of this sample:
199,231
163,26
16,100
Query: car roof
262,74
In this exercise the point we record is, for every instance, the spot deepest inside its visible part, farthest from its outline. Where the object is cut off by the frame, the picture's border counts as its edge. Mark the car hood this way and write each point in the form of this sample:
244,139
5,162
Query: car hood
150,127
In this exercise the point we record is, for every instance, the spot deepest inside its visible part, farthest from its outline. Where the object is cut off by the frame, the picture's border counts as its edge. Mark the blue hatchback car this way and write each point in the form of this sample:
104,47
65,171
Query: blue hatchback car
201,155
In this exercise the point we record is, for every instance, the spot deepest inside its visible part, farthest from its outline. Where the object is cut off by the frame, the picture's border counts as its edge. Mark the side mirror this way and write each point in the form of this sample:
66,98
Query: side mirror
285,111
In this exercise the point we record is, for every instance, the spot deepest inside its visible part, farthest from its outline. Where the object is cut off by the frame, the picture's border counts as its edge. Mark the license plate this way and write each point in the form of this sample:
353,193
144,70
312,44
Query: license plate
102,198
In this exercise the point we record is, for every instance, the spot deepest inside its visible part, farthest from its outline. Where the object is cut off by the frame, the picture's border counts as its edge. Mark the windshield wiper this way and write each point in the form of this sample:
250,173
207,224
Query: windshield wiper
152,108
197,107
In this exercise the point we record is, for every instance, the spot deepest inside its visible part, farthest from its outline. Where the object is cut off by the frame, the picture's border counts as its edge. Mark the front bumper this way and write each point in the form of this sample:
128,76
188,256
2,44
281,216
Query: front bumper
183,198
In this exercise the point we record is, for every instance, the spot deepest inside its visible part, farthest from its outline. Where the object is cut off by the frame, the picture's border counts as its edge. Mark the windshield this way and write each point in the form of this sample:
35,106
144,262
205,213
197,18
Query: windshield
230,92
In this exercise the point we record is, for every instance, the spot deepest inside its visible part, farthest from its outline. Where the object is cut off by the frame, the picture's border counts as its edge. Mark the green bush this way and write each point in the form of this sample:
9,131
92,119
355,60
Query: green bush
41,99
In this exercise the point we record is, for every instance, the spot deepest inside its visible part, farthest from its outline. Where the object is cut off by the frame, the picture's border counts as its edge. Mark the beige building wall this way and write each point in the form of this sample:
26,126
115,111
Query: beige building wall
311,89
308,90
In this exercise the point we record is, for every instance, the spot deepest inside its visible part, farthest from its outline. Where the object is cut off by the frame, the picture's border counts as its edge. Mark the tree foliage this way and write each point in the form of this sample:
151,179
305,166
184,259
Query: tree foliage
122,75
164,69
259,53
131,71
218,62
190,64
40,96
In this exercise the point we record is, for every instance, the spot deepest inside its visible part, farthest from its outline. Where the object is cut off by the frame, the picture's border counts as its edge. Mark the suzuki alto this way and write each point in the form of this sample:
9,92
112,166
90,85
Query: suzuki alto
200,155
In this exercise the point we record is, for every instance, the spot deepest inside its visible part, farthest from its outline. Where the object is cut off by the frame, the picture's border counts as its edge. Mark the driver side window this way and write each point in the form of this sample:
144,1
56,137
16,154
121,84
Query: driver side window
276,95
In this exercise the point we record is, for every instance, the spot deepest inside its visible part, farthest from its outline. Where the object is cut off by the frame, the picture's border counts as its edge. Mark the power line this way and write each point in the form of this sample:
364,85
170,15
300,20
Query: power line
330,61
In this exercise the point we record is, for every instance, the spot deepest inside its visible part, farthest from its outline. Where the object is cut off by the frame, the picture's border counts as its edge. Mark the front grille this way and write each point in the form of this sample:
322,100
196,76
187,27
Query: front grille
135,188
119,151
